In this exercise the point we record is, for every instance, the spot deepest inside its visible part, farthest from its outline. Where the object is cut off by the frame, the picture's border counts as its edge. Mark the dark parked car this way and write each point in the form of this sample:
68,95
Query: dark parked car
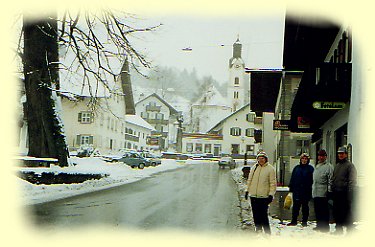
134,159
227,161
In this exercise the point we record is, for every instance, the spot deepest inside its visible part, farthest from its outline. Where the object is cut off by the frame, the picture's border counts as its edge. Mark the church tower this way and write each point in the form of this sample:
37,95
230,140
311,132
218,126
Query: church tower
236,86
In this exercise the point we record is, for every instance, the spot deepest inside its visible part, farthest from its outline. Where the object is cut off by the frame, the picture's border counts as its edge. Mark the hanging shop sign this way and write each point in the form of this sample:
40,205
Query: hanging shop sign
303,123
328,105
281,125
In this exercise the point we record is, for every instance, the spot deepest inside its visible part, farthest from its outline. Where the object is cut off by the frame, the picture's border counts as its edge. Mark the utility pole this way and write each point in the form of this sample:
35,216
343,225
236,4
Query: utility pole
180,120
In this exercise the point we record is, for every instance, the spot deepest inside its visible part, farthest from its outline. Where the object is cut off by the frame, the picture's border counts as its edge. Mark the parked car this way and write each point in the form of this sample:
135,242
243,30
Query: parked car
87,152
227,161
116,157
172,155
155,160
134,159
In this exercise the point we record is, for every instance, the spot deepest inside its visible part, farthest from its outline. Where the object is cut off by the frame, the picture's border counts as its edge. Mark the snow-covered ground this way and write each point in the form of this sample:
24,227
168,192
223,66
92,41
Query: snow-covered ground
119,174
278,229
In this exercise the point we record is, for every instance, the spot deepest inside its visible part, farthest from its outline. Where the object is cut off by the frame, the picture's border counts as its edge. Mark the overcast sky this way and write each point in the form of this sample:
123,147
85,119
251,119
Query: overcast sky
211,39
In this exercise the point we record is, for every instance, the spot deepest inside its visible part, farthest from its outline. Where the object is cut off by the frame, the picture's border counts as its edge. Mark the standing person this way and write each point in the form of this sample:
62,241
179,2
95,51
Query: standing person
321,187
344,179
261,186
301,187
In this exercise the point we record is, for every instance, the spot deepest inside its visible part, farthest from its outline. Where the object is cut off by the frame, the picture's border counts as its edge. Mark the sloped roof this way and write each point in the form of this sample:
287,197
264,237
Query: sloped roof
171,108
137,120
212,97
226,118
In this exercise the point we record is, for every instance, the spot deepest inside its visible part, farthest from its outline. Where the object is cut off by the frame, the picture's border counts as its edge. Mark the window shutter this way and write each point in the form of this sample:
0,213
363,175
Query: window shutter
231,131
78,140
91,117
79,116
91,140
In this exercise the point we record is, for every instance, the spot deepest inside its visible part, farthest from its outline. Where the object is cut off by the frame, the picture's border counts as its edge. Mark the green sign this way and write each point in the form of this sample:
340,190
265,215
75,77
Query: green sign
328,105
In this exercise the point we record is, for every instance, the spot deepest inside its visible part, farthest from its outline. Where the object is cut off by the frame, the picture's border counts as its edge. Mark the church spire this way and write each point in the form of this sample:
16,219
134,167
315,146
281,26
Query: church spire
237,47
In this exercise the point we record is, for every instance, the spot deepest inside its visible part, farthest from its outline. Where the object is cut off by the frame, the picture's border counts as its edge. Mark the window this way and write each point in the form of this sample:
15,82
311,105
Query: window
198,148
236,81
235,131
189,147
85,139
250,149
235,148
250,132
159,116
302,146
207,148
235,95
85,117
250,117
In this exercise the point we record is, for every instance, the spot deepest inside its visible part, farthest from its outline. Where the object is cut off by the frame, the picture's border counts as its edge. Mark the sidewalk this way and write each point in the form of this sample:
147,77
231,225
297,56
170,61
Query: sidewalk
279,216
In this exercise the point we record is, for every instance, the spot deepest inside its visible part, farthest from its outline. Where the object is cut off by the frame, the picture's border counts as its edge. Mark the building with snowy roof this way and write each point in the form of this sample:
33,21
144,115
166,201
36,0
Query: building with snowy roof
241,132
163,117
209,109
137,133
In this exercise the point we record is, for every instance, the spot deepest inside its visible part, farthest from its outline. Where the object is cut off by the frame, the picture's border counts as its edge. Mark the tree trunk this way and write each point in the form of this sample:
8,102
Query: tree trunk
46,138
127,88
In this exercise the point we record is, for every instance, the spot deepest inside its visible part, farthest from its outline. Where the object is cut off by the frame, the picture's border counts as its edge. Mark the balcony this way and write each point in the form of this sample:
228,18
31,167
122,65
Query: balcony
332,84
157,121
153,108
132,138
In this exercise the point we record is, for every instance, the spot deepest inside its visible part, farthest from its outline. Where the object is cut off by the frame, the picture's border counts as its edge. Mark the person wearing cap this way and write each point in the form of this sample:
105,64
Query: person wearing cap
321,188
261,187
300,186
343,181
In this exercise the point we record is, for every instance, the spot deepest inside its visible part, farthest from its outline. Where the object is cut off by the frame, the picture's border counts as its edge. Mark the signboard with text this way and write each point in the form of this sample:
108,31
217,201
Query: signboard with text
328,105
281,125
303,123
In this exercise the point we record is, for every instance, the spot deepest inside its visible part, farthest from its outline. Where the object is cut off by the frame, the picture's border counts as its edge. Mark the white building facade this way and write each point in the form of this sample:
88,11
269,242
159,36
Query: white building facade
239,132
161,116
103,128
137,133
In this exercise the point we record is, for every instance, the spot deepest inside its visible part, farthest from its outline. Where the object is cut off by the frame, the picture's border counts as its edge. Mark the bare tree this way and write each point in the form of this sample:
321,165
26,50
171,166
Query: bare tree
93,42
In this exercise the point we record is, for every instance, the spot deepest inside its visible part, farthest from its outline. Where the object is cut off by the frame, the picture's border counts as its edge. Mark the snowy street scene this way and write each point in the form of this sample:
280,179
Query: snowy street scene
247,126
49,201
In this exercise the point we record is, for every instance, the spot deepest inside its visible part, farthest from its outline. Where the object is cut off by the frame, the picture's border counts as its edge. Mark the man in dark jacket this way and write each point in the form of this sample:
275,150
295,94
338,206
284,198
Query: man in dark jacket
344,180
301,187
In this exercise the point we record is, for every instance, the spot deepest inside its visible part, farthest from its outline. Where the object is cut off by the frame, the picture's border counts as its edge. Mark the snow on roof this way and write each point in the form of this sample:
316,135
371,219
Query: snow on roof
137,120
212,97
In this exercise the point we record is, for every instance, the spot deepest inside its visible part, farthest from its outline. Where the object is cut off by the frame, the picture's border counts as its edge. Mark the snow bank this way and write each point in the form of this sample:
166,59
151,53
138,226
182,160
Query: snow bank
117,174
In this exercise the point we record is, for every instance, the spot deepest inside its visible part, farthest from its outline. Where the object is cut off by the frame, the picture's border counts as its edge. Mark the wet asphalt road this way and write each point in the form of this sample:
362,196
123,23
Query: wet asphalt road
196,197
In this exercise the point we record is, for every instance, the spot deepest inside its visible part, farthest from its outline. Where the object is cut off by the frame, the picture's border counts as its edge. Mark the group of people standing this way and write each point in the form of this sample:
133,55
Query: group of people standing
322,183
